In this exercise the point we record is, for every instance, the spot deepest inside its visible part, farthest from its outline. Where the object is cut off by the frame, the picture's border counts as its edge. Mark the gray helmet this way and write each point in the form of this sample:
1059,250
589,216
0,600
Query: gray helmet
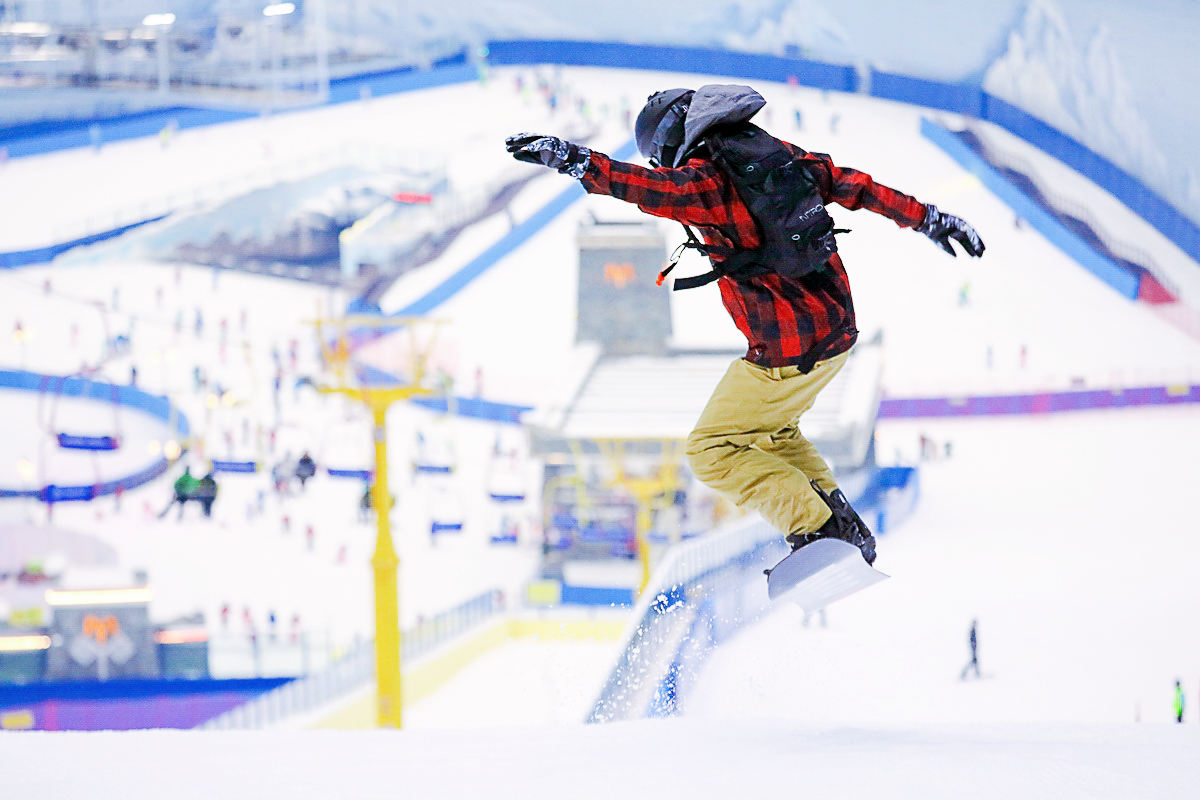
659,126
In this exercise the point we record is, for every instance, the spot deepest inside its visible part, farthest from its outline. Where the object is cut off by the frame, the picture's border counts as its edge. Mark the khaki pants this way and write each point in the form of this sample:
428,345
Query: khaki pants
747,443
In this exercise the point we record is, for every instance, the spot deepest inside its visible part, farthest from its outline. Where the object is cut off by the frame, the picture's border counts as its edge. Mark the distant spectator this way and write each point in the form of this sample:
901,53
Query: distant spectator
1178,702
305,469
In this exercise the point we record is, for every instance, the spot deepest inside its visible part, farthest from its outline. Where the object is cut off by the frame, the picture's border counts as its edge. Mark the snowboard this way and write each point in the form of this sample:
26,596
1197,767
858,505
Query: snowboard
821,573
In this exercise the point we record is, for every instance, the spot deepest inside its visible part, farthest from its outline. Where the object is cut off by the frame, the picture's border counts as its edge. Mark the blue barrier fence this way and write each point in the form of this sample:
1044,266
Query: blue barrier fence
49,136
931,94
1062,237
837,77
130,704
959,98
1037,403
40,255
128,396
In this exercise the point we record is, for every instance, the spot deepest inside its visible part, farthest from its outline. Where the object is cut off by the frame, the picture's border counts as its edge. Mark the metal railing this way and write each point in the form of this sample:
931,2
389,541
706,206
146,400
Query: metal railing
356,668
302,695
673,618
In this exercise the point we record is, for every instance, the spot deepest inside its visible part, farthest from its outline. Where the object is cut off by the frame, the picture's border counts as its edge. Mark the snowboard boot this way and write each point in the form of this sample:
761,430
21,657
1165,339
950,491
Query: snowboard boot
842,524
866,540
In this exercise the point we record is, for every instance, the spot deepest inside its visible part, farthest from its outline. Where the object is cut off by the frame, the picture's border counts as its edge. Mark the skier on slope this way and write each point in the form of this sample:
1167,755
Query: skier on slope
772,248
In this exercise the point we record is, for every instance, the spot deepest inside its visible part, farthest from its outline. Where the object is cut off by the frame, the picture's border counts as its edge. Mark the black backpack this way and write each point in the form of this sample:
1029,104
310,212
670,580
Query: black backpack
795,230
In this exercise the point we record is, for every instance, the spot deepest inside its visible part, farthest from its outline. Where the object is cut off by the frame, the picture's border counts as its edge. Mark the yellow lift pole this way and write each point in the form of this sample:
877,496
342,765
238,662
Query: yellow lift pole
385,561
645,490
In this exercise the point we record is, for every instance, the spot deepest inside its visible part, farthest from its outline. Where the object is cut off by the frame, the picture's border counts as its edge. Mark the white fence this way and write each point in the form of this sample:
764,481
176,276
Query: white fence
356,668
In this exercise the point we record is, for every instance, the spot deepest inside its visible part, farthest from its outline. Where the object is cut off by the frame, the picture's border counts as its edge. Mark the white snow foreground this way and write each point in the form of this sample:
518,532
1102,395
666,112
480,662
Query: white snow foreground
645,759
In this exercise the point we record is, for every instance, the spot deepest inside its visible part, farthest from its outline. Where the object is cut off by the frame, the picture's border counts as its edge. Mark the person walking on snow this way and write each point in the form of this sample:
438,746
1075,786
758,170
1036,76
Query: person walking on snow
1178,702
974,662
793,306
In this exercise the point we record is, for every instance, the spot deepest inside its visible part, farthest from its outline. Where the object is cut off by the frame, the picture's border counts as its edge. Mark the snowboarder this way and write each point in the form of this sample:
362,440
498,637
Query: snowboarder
1178,702
785,287
974,662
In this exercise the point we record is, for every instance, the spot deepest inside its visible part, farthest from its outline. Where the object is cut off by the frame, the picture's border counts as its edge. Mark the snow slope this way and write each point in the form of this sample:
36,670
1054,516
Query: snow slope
651,758
1054,485
1053,533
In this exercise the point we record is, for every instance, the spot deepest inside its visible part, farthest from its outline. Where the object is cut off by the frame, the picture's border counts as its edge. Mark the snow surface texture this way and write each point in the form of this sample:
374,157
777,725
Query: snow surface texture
1055,532
654,758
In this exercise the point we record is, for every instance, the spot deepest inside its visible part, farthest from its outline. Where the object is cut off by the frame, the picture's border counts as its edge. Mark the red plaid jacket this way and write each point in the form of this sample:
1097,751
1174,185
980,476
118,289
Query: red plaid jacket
786,321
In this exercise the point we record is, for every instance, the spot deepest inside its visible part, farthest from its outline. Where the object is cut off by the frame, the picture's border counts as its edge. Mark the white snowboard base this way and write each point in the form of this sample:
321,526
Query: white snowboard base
821,573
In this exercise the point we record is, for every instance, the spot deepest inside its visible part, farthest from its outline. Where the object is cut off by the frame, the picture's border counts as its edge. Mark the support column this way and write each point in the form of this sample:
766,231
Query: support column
387,600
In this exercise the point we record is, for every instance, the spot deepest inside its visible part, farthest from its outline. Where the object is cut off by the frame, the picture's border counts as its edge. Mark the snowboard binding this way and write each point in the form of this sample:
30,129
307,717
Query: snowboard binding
844,524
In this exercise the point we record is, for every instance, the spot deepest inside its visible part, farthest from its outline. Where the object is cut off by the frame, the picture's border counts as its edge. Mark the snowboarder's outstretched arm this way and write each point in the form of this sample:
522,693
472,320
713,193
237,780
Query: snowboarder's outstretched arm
854,190
697,193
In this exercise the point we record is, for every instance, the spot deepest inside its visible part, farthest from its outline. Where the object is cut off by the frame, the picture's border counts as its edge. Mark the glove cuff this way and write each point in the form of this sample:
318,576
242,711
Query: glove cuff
931,216
578,161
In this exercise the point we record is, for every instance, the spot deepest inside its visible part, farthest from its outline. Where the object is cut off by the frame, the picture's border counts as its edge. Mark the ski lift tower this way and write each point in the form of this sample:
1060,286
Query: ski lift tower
651,488
379,397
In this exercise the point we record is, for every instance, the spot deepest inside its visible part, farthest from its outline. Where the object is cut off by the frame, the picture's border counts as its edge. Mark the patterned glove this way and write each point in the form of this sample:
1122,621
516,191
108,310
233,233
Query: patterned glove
550,151
944,227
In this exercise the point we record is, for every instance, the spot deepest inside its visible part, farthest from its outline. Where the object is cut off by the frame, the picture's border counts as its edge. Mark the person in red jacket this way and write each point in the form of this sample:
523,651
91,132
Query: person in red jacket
799,329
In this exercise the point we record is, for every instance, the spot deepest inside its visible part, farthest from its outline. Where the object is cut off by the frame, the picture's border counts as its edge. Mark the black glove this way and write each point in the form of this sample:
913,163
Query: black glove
944,227
550,151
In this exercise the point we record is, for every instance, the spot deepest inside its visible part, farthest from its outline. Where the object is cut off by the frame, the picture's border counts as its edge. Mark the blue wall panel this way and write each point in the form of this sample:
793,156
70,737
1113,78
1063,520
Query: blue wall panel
1046,224
948,97
1129,190
675,59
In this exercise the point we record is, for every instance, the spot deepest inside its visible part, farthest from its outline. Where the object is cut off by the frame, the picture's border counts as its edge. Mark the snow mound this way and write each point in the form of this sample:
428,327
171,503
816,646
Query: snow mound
1082,92
786,28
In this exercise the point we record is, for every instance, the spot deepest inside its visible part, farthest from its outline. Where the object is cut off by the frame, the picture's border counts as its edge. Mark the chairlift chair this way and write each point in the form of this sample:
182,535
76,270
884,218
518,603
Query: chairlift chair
50,394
